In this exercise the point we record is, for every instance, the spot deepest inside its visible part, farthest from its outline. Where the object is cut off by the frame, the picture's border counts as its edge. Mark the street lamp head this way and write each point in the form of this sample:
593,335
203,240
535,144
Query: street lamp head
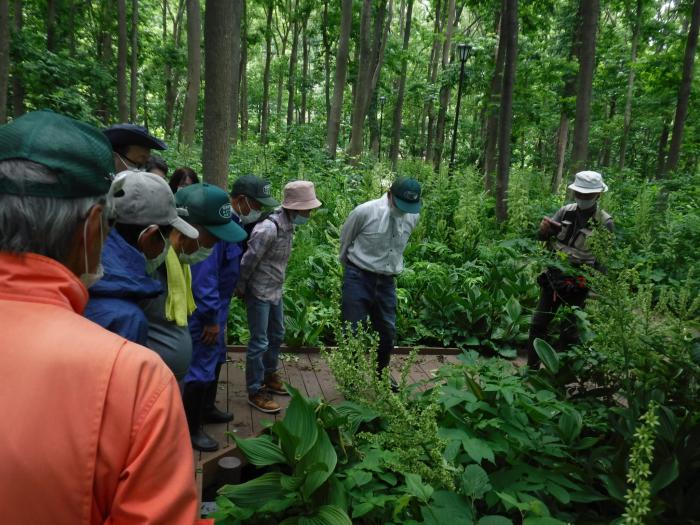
464,50
382,99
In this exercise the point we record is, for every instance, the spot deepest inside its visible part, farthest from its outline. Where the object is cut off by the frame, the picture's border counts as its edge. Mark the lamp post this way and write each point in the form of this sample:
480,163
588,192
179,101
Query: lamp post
382,100
463,50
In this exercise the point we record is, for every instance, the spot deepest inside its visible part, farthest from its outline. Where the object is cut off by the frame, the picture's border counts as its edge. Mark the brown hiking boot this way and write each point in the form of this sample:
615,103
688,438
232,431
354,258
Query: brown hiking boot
273,383
263,402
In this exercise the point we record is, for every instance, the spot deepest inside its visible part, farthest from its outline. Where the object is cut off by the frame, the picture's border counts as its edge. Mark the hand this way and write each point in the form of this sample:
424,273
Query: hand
210,333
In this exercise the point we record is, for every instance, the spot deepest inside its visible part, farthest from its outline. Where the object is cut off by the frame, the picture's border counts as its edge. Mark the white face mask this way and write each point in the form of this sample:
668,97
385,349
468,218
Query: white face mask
586,204
153,264
251,216
88,279
197,256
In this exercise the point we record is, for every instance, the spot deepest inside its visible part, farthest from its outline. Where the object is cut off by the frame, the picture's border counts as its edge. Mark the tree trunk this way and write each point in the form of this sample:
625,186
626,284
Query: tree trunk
304,72
172,77
244,74
661,154
630,87
236,67
341,68
684,91
122,47
326,62
607,143
363,84
589,27
562,141
17,84
265,111
377,59
4,57
510,25
398,107
105,56
134,59
194,71
444,89
292,77
493,102
51,44
432,79
218,83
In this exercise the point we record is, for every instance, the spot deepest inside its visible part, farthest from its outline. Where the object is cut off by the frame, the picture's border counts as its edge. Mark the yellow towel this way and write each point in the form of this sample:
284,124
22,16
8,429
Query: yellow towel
179,304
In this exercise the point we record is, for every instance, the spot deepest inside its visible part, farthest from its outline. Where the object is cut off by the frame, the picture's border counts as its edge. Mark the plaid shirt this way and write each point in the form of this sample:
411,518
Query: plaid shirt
265,261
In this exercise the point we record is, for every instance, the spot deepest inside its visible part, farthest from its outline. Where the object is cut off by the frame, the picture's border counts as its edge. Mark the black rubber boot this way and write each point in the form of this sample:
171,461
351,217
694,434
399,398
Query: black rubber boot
211,413
193,400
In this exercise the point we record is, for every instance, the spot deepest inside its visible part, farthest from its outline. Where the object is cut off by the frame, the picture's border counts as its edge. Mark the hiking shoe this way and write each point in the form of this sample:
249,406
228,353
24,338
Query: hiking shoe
273,383
263,402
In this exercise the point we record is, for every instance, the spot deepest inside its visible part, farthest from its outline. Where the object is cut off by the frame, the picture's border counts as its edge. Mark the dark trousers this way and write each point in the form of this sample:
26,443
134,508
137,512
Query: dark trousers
371,295
546,309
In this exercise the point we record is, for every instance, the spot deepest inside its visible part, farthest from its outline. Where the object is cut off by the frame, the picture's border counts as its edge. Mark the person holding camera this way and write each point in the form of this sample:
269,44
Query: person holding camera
567,233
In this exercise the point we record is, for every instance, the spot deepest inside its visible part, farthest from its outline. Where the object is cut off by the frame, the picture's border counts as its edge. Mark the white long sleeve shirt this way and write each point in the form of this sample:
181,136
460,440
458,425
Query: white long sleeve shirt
374,239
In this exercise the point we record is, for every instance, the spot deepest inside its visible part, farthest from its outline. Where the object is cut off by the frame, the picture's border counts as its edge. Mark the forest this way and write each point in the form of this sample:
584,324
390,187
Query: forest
493,106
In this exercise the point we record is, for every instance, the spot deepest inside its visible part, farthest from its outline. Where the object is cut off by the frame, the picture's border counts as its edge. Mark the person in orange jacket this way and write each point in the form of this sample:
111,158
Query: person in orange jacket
93,426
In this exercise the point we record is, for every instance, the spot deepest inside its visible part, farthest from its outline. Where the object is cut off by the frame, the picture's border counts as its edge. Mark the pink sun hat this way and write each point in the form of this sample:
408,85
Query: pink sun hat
300,195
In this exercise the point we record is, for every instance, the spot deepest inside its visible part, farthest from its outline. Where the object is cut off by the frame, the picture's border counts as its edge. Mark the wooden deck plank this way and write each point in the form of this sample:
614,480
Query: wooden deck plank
308,374
294,378
325,378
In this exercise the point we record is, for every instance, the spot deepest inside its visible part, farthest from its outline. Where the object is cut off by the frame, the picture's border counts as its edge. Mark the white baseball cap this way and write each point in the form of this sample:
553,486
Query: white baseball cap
139,197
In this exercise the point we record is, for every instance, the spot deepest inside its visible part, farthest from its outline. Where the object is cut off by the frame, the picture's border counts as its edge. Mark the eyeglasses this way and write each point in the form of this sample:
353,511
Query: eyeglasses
130,163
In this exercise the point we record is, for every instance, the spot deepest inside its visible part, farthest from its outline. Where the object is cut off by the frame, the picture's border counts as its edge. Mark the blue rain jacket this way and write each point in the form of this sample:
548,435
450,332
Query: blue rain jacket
113,299
213,282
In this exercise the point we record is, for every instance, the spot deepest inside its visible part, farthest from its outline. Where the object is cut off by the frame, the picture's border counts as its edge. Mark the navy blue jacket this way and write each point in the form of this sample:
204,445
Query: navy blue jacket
113,299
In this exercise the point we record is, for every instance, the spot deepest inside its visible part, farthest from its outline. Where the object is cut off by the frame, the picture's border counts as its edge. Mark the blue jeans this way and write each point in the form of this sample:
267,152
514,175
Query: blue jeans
266,327
367,294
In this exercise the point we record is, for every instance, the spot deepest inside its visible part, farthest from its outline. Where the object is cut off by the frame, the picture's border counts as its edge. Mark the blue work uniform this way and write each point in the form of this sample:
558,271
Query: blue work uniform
213,283
114,299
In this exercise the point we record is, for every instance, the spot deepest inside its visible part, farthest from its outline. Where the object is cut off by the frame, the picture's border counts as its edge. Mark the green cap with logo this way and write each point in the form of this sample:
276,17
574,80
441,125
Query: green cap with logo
209,206
406,193
255,188
78,153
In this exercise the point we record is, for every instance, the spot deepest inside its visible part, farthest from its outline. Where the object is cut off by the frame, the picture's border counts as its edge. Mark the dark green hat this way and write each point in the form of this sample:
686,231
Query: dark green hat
255,188
406,193
210,207
79,154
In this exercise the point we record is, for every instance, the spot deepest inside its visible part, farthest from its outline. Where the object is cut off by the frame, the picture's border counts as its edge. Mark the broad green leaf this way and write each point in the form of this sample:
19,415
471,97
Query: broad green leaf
261,451
667,474
494,520
336,493
560,493
513,308
255,492
416,487
547,354
447,507
360,510
300,420
475,481
543,520
478,449
615,486
326,515
321,453
570,424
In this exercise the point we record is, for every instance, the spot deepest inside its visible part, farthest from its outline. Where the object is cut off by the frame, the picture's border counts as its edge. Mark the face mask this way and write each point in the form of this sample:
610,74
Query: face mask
153,264
251,216
88,279
299,219
196,257
585,204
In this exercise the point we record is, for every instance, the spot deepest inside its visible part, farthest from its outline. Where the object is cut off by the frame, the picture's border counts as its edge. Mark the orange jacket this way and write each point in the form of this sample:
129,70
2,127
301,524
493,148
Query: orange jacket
93,429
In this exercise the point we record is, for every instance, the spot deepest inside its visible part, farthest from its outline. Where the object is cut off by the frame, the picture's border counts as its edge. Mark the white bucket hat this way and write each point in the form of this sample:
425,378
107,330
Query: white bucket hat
300,195
588,182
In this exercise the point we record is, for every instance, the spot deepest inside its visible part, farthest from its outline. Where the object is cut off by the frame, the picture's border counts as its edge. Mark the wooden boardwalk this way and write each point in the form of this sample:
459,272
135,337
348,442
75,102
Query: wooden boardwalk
307,372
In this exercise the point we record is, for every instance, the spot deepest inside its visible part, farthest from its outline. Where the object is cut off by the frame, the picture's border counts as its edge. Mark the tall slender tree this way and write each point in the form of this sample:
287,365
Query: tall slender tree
326,60
341,68
433,67
17,83
265,109
505,124
493,102
627,118
292,77
194,69
218,84
691,45
363,84
445,87
398,107
244,73
236,65
304,71
122,48
134,59
4,57
590,11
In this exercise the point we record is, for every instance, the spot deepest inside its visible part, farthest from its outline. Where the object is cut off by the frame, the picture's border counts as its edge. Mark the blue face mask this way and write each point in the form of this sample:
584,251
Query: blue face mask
300,219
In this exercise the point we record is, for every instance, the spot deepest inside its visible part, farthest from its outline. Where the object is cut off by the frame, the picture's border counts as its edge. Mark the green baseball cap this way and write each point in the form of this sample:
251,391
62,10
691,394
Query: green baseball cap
406,193
79,154
255,188
210,207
